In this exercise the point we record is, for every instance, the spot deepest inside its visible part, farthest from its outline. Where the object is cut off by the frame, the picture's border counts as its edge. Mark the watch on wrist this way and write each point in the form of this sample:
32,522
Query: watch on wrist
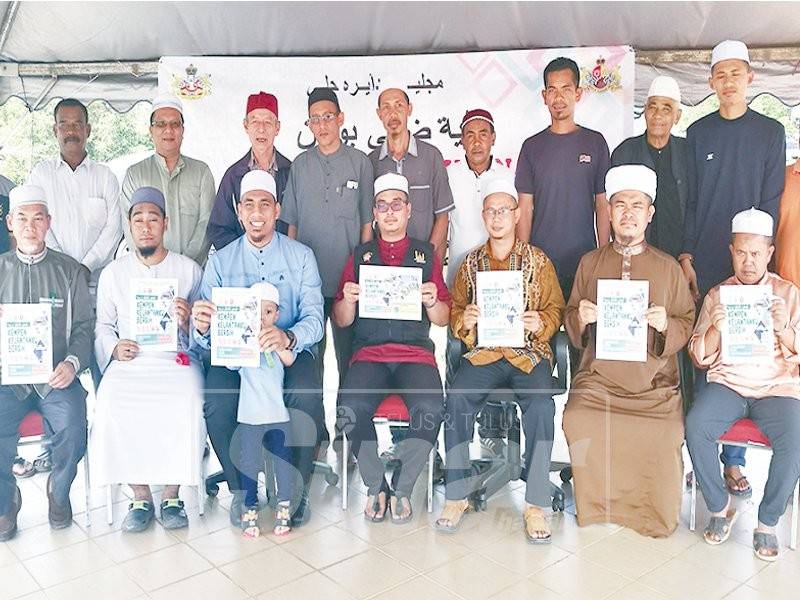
292,339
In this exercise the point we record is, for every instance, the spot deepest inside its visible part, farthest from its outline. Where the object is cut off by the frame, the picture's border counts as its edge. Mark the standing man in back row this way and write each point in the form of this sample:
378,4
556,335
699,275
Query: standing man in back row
736,159
561,179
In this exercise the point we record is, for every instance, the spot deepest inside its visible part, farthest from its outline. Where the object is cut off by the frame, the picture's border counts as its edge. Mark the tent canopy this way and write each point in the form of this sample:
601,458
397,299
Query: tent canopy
122,40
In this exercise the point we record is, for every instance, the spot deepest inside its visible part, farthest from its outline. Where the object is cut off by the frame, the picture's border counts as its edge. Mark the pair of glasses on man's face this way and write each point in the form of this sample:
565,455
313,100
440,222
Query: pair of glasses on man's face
491,213
316,120
395,205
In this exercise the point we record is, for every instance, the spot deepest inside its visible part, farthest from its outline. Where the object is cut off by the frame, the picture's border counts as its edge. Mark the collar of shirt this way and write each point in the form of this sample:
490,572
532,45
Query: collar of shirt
486,172
85,163
32,259
486,250
392,253
162,164
338,152
273,165
412,148
255,251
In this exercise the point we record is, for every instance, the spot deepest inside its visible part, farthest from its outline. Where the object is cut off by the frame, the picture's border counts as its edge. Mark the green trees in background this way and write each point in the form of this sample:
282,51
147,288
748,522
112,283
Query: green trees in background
28,138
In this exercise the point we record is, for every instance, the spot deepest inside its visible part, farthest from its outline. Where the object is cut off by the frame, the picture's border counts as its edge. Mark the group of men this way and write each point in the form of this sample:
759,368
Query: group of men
659,209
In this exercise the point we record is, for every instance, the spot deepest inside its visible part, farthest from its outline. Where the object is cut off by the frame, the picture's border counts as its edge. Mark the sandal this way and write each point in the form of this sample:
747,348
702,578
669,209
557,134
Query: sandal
22,468
720,527
249,525
452,515
765,546
733,483
535,522
43,463
400,499
283,519
378,516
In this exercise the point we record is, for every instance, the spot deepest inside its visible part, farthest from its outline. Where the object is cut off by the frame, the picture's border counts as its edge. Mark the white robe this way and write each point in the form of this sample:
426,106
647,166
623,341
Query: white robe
148,423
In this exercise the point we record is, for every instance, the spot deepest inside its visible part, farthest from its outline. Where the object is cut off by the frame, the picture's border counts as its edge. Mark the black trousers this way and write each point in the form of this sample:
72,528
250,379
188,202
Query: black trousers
366,386
64,415
342,344
532,391
302,395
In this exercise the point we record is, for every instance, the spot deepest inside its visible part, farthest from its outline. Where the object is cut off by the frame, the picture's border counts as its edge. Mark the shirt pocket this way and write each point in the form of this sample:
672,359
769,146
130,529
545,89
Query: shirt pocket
345,203
421,198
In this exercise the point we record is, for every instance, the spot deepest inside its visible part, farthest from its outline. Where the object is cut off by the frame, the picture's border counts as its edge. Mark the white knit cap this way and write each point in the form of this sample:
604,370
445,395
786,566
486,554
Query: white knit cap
631,177
665,86
753,221
729,49
258,180
500,185
266,291
167,101
391,181
24,195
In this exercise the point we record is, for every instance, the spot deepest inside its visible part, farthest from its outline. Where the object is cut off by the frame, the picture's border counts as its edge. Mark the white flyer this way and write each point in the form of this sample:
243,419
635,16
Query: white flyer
235,327
500,300
154,324
26,343
621,321
390,293
747,333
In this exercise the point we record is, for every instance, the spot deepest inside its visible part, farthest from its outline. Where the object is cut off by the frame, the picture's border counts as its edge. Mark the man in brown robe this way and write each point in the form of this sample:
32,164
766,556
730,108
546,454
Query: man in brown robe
624,420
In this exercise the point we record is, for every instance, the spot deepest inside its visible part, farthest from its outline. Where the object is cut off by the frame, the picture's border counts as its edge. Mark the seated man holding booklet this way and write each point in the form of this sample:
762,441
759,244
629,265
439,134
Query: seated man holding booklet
40,371
746,336
630,311
148,423
391,290
507,304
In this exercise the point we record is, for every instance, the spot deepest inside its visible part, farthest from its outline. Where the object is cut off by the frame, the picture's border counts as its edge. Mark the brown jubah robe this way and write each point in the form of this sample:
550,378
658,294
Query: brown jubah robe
624,420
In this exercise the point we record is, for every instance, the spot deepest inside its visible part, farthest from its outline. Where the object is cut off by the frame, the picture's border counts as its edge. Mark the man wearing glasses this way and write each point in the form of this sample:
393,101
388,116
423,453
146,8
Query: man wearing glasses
187,183
421,163
328,206
262,126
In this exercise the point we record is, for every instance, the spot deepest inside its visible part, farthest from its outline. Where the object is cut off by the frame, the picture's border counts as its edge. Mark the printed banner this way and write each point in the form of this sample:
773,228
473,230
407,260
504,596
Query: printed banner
235,327
154,326
747,333
500,300
621,322
390,293
441,87
26,343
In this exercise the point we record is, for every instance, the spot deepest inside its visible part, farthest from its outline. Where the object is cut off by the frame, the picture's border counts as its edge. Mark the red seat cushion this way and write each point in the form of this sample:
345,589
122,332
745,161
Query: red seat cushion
31,425
393,408
745,431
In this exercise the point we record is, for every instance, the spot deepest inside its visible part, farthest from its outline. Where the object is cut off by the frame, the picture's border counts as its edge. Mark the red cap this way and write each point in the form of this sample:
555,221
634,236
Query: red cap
477,113
262,100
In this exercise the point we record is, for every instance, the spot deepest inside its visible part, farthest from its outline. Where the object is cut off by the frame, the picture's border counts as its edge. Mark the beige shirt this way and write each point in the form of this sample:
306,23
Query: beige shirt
781,377
189,191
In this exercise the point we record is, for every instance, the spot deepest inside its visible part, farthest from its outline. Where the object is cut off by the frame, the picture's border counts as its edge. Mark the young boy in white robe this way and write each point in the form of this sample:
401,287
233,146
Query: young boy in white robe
264,423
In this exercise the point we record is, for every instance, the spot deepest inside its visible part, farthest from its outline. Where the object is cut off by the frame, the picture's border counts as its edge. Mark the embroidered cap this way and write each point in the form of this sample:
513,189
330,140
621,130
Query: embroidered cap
753,221
24,195
631,177
167,101
266,291
729,49
258,180
666,87
500,185
391,181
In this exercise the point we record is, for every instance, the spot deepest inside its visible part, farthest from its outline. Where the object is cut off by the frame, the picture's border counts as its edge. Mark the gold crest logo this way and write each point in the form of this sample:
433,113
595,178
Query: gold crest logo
419,257
601,78
367,257
193,86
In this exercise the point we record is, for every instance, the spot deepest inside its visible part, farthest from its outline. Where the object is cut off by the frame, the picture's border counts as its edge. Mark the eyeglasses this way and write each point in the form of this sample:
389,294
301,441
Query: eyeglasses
259,124
316,120
166,124
395,205
491,213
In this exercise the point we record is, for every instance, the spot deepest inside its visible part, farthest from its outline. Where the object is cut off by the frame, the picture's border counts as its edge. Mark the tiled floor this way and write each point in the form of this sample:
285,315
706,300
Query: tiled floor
338,556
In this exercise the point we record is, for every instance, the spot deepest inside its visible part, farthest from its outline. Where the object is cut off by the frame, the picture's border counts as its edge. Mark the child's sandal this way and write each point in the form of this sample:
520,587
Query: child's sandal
250,526
283,519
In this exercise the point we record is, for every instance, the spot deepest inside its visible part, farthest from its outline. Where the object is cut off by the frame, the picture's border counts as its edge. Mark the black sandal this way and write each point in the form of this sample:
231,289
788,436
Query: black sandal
376,505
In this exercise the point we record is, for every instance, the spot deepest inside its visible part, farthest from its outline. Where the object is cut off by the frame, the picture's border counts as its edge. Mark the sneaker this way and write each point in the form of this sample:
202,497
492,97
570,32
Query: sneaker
140,515
173,516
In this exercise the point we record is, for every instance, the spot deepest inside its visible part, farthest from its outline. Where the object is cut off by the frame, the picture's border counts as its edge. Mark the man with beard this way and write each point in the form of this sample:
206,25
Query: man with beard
147,434
187,183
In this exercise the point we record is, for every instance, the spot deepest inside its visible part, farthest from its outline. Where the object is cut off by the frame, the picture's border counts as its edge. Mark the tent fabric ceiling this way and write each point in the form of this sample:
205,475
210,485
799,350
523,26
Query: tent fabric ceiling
70,32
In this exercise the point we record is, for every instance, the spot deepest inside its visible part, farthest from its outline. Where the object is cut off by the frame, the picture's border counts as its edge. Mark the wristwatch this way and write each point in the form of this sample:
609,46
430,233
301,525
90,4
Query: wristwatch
292,339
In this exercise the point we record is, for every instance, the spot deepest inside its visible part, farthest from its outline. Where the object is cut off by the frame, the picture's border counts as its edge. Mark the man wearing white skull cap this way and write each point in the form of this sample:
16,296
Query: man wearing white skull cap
665,154
766,391
736,160
636,482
